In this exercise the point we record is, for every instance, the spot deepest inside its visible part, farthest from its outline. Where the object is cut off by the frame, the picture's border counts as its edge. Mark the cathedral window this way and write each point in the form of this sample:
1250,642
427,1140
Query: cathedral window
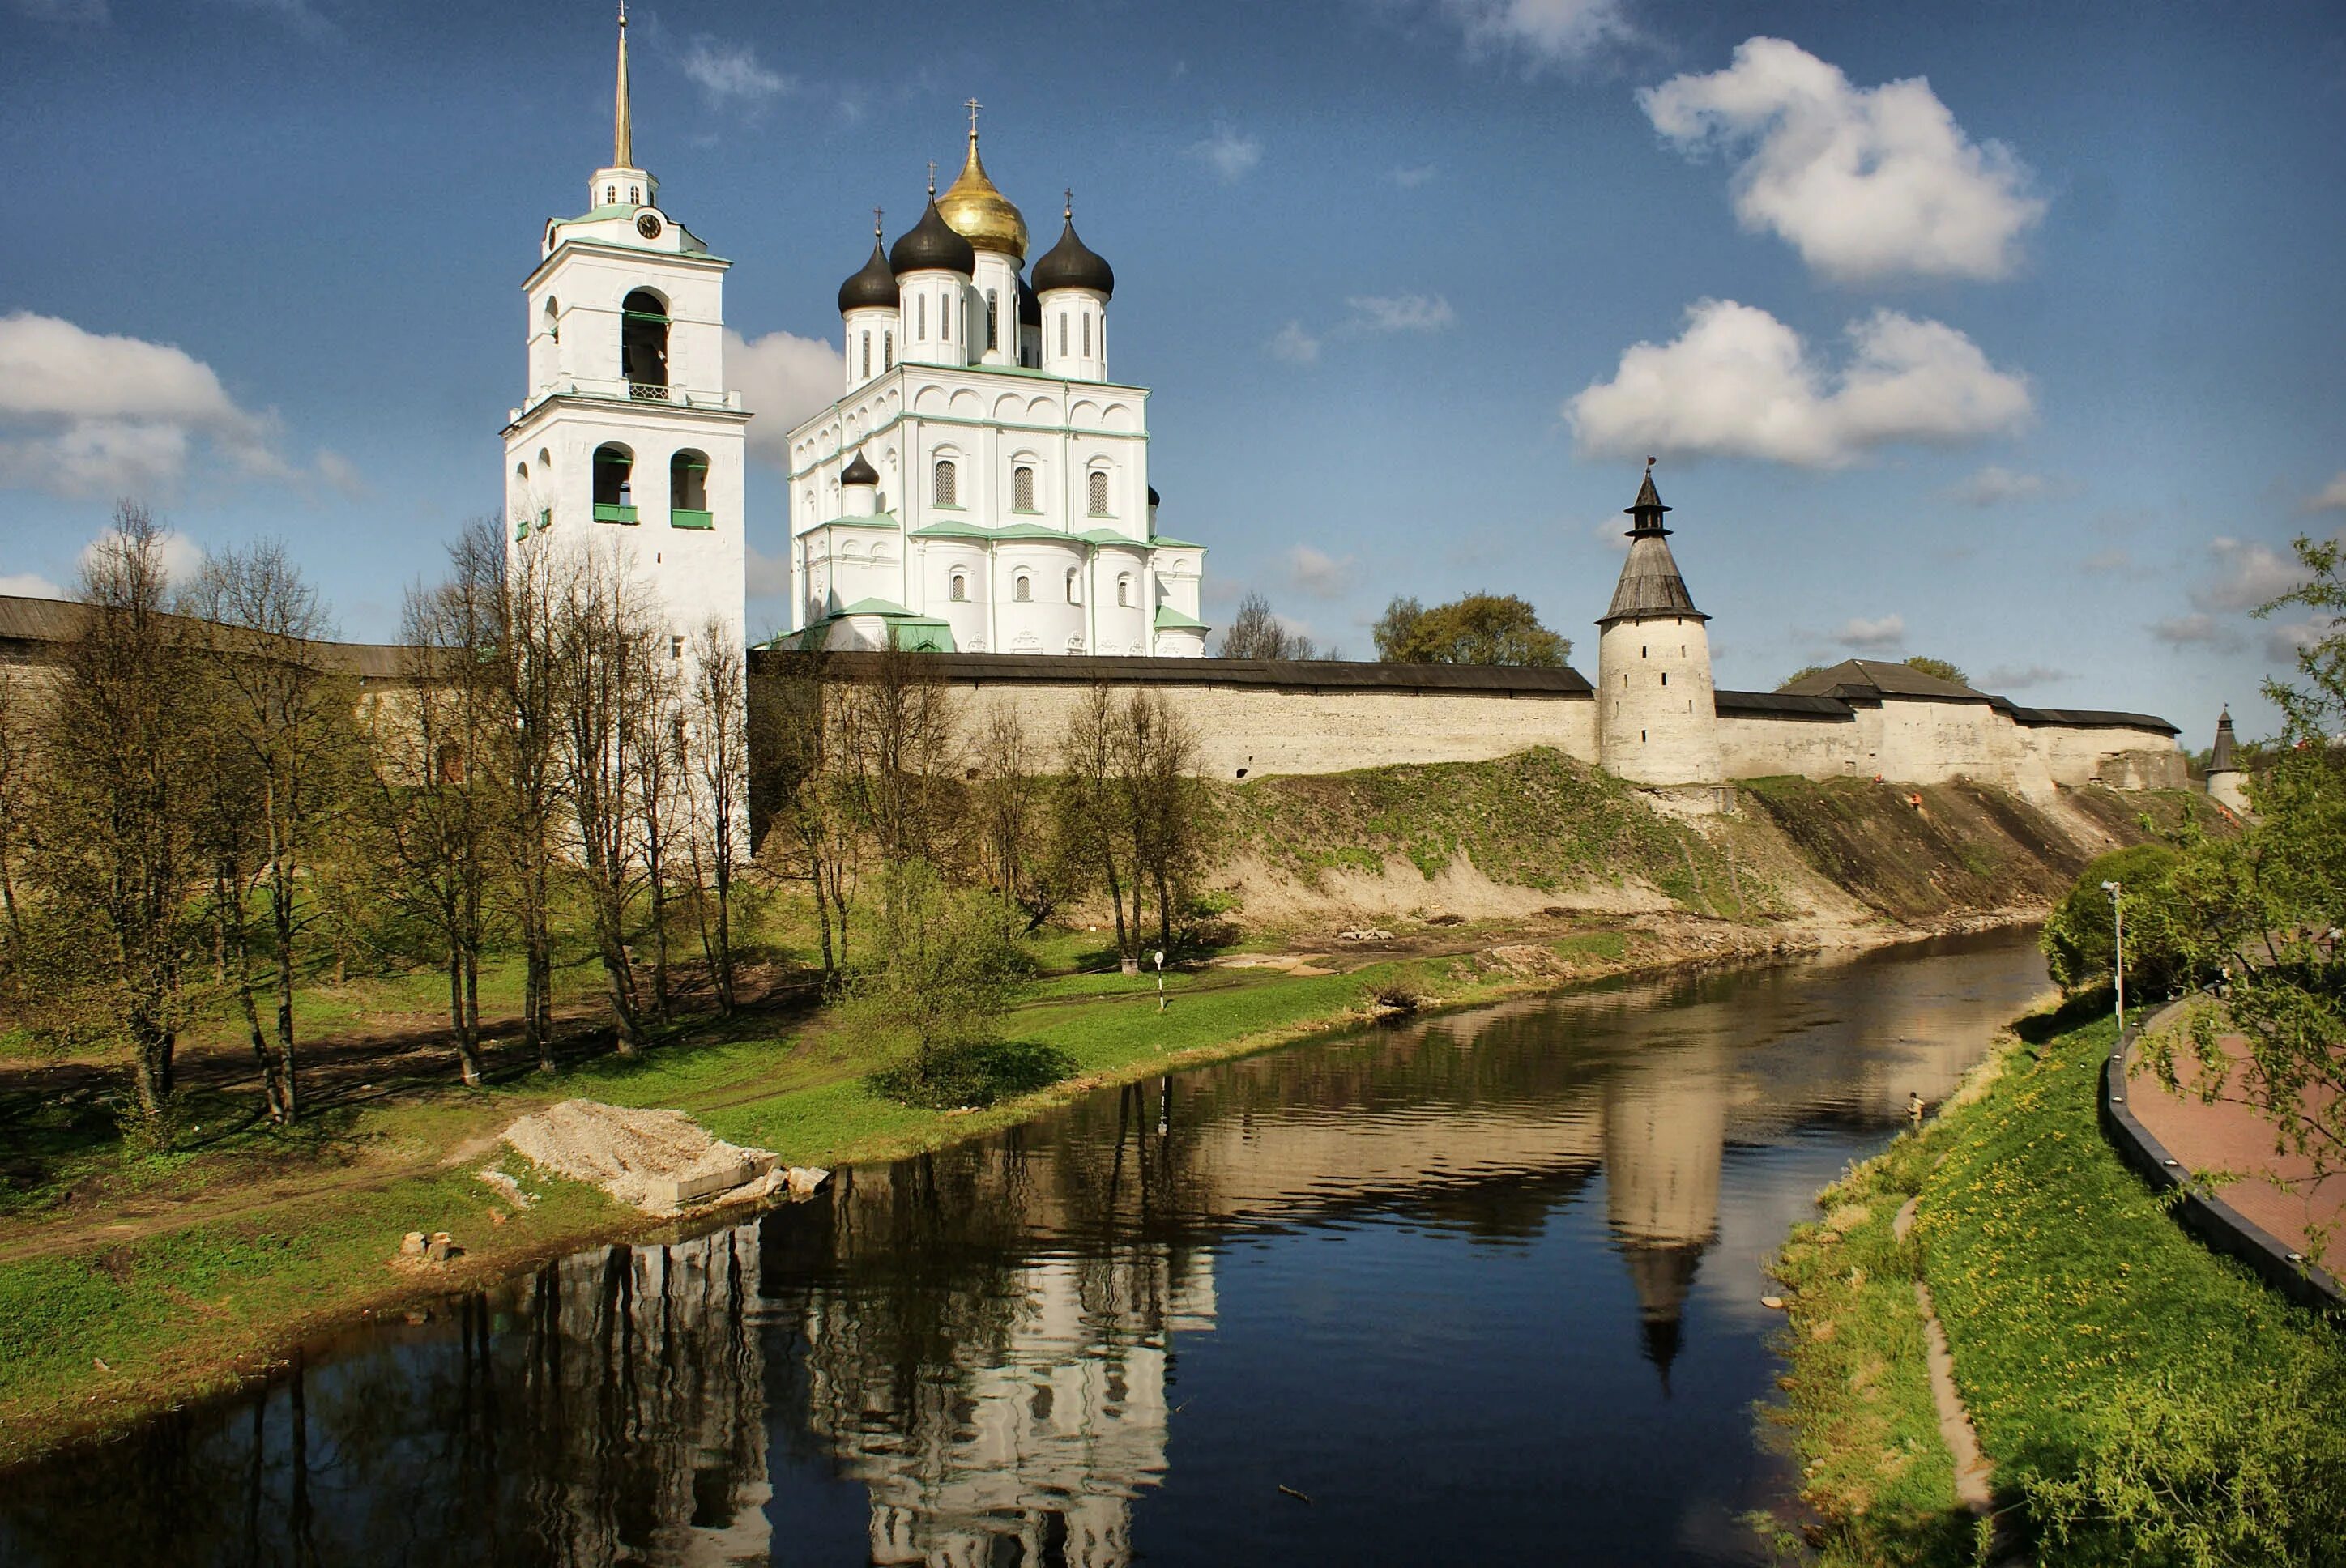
643,339
1098,494
1124,593
992,320
688,490
1063,331
921,319
960,590
948,486
1021,489
867,353
1021,590
610,196
552,319
1088,334
1074,594
887,350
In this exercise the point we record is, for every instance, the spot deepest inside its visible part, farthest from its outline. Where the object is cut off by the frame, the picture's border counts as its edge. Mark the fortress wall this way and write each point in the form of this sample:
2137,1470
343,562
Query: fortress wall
1753,746
2124,758
1275,729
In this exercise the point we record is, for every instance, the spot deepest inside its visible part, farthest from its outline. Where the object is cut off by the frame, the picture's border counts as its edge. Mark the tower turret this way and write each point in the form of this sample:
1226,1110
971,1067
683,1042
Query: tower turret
997,231
933,265
868,315
1073,284
1657,717
2227,786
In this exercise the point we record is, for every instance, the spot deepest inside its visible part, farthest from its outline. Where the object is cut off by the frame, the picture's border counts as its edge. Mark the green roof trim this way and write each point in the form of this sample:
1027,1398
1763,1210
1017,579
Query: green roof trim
1166,541
886,520
950,530
1170,619
922,634
1030,531
1108,536
870,607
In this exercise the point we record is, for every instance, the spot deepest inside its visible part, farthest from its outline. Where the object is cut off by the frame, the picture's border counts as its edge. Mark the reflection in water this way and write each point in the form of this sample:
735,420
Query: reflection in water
1375,1264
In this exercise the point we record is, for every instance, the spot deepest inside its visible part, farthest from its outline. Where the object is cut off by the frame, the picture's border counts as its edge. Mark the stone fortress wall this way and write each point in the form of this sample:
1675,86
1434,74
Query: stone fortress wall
1257,717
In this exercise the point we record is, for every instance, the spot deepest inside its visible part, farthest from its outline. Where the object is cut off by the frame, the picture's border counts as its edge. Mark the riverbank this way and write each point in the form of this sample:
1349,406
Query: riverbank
202,1271
2141,1400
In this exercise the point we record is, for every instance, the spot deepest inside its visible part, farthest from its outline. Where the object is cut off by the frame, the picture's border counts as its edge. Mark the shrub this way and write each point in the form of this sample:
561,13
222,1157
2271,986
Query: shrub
2079,936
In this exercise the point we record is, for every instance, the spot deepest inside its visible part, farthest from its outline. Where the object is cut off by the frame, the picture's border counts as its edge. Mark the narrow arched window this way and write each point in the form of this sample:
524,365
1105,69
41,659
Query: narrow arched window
867,353
1075,594
947,487
1088,334
1124,593
552,317
921,319
960,588
992,320
1021,489
614,495
1098,497
887,350
1063,331
643,339
688,490
1022,590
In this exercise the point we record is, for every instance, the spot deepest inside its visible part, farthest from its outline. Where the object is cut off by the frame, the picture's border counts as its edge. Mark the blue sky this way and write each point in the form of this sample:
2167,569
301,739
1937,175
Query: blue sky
2003,333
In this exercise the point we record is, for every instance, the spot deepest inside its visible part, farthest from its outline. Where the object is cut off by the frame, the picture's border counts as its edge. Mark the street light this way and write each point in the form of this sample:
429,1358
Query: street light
2117,920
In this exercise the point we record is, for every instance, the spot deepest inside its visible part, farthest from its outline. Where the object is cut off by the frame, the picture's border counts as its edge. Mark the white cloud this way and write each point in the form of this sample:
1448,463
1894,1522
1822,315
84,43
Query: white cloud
181,556
341,472
1878,635
31,585
86,415
1319,574
2194,630
1866,183
2283,642
1401,313
1738,383
2020,676
729,75
1229,154
2331,497
2246,575
1409,177
1996,486
1538,32
782,378
1294,345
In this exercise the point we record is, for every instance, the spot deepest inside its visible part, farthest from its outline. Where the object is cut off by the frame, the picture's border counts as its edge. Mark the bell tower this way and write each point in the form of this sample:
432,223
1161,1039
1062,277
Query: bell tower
626,437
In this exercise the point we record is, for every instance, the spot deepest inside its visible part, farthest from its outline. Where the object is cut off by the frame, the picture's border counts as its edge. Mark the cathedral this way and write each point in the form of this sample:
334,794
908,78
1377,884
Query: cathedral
982,485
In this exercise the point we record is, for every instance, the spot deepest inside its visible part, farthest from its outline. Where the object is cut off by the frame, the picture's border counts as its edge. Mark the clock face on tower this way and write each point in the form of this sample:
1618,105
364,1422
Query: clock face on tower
648,226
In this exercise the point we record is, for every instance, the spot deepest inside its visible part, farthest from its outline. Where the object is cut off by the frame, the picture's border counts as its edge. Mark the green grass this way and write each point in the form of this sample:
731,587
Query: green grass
1610,946
2143,1400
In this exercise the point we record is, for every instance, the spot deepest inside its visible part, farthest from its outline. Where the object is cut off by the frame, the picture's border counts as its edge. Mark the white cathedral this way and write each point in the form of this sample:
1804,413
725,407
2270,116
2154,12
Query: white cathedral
980,486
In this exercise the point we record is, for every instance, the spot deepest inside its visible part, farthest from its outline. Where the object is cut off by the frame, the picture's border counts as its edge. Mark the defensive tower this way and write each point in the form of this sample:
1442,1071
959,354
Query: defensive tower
1657,717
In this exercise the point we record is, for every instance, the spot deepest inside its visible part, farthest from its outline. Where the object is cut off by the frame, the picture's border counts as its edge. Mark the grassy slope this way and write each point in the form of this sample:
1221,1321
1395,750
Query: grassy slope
2065,1291
1536,820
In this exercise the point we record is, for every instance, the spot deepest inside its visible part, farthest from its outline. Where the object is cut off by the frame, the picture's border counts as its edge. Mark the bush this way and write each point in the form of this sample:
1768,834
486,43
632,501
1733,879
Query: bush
2079,936
973,1075
945,964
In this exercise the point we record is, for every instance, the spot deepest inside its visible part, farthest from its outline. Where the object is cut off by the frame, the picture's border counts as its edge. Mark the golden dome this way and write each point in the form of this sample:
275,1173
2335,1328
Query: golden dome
981,213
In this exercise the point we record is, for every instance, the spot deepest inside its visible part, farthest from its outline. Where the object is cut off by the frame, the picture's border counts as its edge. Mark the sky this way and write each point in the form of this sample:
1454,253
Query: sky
2006,333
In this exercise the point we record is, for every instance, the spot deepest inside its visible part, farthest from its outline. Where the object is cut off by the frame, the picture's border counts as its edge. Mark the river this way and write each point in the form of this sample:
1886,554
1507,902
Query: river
1481,1288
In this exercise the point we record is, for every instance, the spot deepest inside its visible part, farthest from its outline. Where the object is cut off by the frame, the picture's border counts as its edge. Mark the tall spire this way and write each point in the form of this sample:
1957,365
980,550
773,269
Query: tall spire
1650,584
623,135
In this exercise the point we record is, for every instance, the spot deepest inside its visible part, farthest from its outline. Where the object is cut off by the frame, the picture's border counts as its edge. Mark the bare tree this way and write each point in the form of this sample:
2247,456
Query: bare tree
525,750
1158,756
1010,801
117,848
1093,851
1255,632
280,705
19,758
897,745
661,803
797,806
716,770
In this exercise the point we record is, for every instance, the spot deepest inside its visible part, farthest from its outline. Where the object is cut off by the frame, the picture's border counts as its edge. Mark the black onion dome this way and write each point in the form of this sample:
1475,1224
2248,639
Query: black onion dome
873,286
1030,305
859,472
1072,264
932,245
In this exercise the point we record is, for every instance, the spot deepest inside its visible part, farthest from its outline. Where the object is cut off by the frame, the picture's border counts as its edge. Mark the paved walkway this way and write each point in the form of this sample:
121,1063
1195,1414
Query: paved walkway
2229,1136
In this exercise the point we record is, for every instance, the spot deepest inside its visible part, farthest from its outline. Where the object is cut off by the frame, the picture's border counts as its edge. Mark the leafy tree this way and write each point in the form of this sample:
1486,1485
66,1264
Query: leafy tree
1477,628
945,964
1799,674
1942,668
1255,632
2079,938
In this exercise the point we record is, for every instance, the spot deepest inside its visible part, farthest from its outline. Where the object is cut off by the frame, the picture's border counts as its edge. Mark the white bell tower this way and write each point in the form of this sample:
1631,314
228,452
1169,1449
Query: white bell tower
628,436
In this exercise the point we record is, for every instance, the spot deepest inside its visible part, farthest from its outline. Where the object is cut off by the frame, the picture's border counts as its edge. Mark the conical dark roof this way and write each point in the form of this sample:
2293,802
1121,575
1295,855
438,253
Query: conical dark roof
1662,1276
1072,264
1650,584
2221,759
859,472
932,245
876,285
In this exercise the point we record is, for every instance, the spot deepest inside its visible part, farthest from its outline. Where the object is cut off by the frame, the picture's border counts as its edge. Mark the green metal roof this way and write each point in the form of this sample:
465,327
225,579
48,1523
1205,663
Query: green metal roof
1031,530
1170,619
1166,542
952,530
877,520
1105,536
870,607
923,633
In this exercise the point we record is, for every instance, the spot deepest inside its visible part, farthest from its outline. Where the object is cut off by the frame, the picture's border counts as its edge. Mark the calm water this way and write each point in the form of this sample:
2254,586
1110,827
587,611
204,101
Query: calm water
1483,1289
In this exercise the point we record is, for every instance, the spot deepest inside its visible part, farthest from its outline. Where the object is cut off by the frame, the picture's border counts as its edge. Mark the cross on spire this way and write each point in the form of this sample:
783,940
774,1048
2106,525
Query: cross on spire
932,179
876,223
1070,214
973,105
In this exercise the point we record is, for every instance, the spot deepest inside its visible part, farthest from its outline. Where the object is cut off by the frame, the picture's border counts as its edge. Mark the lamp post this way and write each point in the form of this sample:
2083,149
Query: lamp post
2118,921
